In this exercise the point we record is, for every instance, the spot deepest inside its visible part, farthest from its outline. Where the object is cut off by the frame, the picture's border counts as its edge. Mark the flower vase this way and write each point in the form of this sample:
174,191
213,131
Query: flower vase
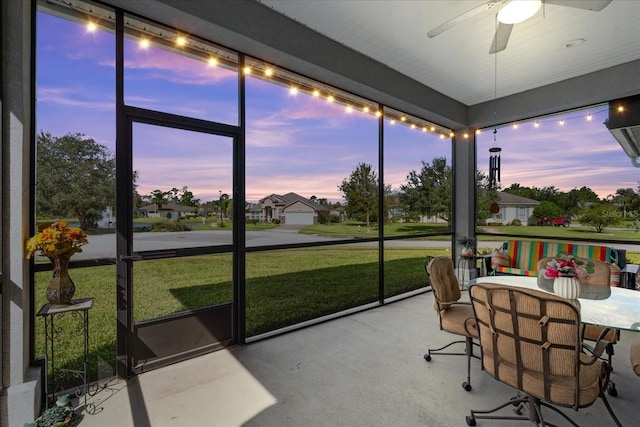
567,287
61,288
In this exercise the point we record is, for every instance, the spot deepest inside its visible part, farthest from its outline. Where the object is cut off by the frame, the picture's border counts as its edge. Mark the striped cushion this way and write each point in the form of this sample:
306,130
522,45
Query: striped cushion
614,279
499,259
515,271
524,254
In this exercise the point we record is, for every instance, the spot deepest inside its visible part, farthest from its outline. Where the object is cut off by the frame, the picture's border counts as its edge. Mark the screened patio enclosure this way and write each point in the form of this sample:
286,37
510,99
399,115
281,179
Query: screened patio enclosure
254,35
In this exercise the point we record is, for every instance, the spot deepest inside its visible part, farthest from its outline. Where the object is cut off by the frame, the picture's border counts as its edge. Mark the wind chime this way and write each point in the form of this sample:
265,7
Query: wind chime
494,163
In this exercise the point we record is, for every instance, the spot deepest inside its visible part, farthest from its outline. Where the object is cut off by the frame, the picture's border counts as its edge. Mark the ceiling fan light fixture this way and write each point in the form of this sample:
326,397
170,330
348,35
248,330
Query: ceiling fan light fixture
517,11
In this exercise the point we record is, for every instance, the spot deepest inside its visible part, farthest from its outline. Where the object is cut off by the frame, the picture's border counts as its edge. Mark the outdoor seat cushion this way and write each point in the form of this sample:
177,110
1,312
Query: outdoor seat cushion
635,357
562,387
459,319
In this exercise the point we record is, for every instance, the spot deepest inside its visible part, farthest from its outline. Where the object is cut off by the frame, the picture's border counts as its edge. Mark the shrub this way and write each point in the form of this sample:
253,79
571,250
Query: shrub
170,226
275,221
516,222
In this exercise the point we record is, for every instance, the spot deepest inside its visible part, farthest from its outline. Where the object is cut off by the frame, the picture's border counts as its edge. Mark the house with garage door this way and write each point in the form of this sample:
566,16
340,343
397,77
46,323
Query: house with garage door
290,208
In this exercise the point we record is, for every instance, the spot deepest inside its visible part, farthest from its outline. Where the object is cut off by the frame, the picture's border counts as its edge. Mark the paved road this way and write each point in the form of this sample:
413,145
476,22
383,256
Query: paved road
104,246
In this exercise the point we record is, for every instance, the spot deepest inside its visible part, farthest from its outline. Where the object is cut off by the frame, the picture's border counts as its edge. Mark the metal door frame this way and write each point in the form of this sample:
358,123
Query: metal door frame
127,330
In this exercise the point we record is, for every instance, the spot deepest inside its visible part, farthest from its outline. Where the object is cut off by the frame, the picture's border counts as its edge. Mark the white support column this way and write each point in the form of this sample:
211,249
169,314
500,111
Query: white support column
20,392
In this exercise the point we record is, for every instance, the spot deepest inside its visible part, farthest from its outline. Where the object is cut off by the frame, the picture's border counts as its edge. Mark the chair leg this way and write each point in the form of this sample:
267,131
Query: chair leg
468,342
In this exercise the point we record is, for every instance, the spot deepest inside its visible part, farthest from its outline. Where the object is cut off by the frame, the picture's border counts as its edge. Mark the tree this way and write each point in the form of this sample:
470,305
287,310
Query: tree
428,192
360,191
486,196
159,198
624,198
75,175
547,209
600,216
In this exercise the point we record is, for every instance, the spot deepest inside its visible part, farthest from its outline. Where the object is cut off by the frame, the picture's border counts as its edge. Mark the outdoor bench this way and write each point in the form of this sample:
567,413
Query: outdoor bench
520,257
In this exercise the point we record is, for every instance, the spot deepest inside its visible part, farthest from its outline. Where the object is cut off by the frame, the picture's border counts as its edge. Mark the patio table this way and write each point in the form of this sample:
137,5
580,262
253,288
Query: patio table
606,306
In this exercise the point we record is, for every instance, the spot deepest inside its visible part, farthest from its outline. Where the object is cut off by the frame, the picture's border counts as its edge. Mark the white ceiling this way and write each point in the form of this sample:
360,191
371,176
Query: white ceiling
457,62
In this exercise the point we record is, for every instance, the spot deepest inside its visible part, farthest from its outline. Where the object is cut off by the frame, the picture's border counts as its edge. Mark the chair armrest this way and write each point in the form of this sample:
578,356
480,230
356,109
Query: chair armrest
596,352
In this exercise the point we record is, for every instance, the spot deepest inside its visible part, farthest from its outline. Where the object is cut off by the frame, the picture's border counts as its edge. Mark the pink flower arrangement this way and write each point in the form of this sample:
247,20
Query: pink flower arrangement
568,266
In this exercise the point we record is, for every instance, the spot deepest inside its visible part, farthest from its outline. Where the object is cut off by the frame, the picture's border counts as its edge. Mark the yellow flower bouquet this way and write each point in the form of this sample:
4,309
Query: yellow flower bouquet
56,239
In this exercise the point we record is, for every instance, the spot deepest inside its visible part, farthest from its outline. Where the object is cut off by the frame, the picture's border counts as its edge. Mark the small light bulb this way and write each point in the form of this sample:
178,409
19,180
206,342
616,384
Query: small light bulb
515,126
247,70
403,118
316,93
424,129
365,109
442,136
432,128
451,135
536,124
181,41
91,26
620,108
349,109
466,135
393,122
413,126
213,62
144,43
293,90
330,98
268,72
562,122
378,113
589,117
477,131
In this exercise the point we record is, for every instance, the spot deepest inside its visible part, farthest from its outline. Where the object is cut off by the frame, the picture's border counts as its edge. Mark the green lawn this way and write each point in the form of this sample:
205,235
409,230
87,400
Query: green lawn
282,288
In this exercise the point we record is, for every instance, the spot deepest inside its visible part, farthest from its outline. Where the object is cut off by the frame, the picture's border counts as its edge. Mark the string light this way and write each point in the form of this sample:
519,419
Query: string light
330,98
144,43
181,41
366,109
247,70
620,108
268,72
561,122
316,93
349,109
589,117
413,126
515,126
378,113
91,26
213,62
536,124
403,118
293,90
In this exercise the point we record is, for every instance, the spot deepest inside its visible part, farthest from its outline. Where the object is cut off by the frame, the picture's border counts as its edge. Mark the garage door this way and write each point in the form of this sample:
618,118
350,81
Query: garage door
301,218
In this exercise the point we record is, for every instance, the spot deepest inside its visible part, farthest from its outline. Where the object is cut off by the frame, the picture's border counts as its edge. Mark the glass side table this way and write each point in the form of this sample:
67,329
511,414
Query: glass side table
57,318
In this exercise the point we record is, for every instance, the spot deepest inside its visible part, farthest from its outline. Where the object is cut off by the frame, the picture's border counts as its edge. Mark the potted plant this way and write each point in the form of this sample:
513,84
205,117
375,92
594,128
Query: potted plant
468,246
59,415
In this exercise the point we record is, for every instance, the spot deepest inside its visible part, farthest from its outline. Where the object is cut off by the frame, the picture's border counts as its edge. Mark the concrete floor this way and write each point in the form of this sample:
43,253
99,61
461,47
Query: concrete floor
366,369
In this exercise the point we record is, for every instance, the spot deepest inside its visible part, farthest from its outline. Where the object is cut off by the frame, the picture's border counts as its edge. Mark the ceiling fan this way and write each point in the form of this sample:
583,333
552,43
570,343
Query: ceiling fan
506,23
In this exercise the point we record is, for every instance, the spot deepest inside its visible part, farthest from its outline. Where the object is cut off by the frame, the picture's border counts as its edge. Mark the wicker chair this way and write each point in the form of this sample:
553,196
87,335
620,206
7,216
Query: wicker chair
454,316
635,357
601,276
531,341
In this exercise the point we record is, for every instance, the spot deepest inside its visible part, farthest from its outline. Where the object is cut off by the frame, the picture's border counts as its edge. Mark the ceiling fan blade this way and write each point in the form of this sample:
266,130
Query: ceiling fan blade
466,15
593,5
501,38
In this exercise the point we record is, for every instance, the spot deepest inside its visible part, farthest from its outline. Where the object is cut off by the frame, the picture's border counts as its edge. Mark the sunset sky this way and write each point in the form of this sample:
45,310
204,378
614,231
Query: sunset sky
294,143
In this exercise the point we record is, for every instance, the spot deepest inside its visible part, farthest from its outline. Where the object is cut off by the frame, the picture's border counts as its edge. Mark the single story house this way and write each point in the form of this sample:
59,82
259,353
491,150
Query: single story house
170,209
513,207
290,208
